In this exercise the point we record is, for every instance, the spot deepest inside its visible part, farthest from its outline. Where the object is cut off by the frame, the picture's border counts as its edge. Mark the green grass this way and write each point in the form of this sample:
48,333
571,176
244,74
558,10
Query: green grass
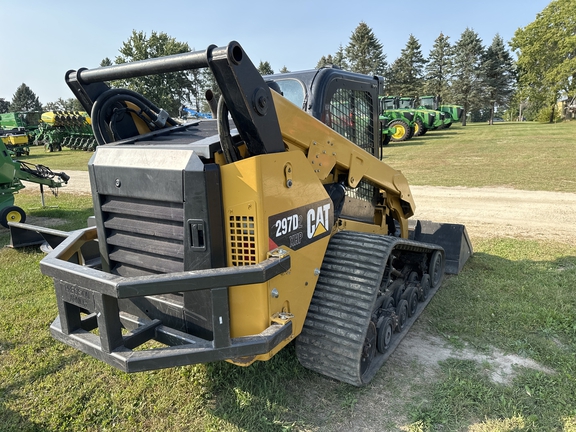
66,159
513,295
517,296
524,155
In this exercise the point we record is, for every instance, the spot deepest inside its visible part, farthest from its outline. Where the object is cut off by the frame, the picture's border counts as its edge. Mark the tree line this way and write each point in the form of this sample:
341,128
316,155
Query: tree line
479,78
483,79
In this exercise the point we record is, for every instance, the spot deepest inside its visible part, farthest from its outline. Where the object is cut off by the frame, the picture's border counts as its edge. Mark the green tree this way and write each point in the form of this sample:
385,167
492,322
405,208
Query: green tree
466,84
4,106
70,104
437,70
265,68
546,55
364,52
106,62
284,69
406,73
168,90
325,61
25,100
340,59
498,75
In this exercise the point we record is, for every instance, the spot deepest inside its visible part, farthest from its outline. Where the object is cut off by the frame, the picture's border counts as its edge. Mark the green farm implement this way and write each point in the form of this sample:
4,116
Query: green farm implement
12,173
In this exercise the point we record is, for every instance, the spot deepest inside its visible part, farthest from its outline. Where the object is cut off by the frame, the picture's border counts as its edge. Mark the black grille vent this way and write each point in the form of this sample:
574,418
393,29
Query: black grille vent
143,236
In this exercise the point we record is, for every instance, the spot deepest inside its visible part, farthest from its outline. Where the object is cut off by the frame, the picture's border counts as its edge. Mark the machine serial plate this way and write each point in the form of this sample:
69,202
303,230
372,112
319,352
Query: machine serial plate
301,226
78,296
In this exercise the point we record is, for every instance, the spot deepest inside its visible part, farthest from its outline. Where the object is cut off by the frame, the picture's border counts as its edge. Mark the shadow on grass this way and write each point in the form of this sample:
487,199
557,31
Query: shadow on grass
409,143
14,421
268,396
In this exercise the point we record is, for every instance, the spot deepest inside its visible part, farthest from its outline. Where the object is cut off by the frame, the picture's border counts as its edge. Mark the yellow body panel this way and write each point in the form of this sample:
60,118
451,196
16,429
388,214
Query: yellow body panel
255,191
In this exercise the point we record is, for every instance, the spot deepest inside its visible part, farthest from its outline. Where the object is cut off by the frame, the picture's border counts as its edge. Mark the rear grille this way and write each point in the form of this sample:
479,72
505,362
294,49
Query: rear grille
242,234
143,236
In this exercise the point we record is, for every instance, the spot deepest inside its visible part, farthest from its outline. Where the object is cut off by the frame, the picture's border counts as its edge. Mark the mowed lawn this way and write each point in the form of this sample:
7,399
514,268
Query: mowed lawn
515,296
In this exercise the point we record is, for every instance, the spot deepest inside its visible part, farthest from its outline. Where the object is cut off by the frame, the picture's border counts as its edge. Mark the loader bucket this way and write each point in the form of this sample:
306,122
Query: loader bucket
452,237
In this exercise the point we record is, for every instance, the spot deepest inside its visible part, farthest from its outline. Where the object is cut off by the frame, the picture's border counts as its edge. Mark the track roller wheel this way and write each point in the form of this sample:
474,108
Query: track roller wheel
388,303
412,298
413,277
12,214
385,331
402,313
437,264
424,287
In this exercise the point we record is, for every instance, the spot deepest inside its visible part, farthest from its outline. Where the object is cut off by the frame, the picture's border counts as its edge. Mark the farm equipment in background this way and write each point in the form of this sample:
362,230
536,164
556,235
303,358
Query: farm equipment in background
12,173
431,119
71,129
51,129
424,120
228,242
18,130
403,121
15,141
435,103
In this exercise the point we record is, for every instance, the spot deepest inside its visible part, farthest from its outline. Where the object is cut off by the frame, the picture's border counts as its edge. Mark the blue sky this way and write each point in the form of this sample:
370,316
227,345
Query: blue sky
41,40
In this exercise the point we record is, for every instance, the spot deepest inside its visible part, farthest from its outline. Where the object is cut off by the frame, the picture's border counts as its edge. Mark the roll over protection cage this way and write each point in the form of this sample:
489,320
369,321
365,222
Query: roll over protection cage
244,91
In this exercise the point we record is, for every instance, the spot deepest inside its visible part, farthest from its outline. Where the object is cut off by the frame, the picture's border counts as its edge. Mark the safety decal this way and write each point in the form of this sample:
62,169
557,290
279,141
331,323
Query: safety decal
301,226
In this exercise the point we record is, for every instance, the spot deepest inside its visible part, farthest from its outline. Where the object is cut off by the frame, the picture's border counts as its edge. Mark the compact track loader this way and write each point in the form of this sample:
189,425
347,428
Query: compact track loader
228,242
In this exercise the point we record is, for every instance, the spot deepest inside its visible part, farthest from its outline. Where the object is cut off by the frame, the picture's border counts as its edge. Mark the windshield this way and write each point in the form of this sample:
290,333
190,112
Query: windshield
293,90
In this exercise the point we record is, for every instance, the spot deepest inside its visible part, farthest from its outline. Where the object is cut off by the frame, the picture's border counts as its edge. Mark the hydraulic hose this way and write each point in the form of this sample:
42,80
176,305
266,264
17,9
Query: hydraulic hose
226,142
110,106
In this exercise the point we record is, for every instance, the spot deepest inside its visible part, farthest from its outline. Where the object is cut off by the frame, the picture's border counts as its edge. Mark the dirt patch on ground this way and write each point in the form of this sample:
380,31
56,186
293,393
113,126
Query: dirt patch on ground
501,212
486,212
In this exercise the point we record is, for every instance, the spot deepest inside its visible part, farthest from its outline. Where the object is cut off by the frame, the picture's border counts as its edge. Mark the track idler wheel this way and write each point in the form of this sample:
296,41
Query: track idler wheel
436,270
369,347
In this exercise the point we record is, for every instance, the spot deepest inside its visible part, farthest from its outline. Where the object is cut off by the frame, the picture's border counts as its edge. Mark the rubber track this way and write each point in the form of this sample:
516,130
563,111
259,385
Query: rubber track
335,328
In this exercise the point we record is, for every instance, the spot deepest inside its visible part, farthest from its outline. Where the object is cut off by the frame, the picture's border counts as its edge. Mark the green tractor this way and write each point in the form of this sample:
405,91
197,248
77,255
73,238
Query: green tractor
435,103
426,119
401,121
12,172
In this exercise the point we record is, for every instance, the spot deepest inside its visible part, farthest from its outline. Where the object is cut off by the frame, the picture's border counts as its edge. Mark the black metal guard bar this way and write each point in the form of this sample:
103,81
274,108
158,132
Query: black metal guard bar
56,265
193,352
173,63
